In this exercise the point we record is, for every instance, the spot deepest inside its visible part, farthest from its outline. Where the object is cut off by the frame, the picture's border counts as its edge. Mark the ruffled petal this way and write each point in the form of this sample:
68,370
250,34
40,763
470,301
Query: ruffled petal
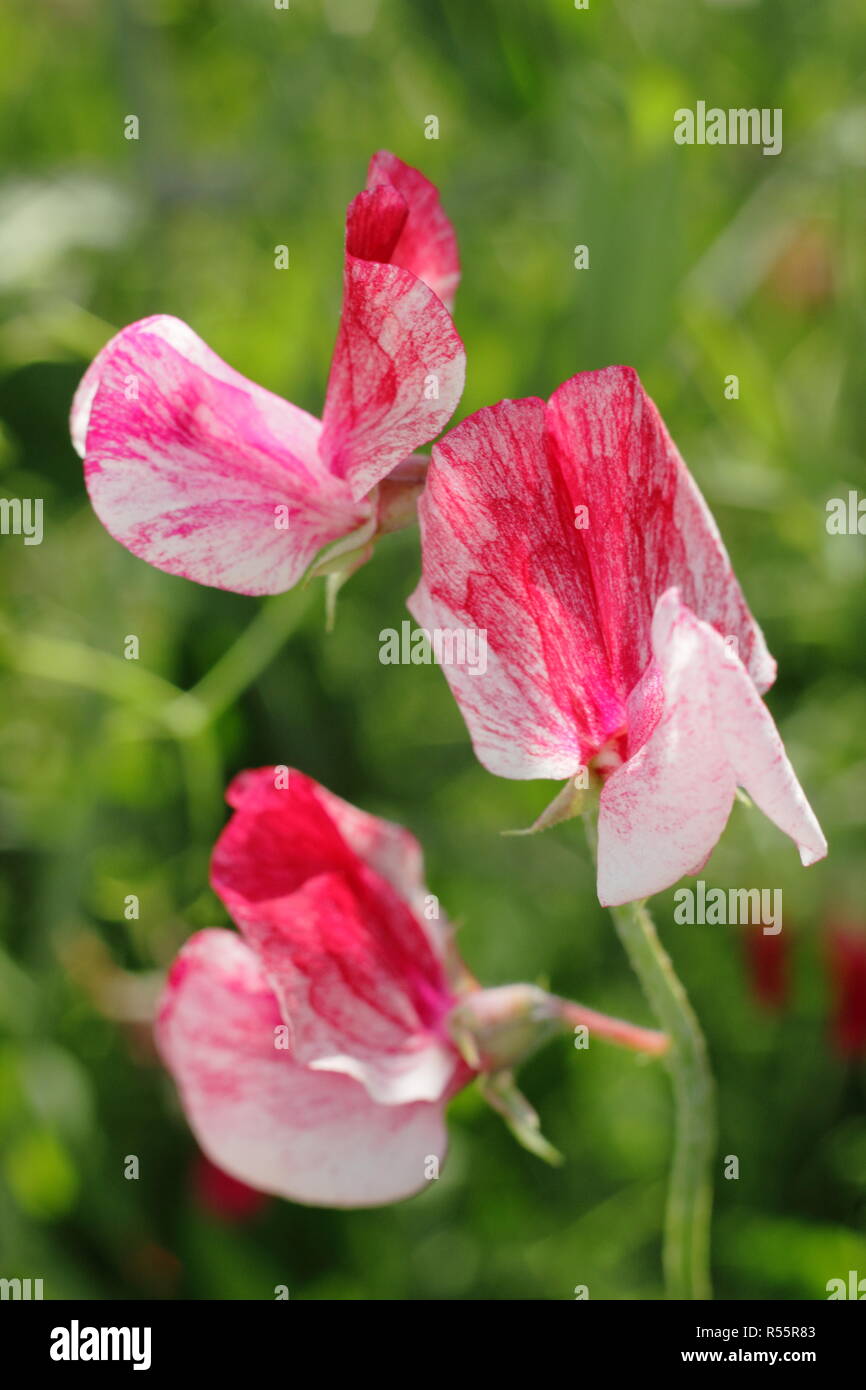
199,471
310,1136
502,557
427,245
349,960
663,811
399,364
393,852
647,525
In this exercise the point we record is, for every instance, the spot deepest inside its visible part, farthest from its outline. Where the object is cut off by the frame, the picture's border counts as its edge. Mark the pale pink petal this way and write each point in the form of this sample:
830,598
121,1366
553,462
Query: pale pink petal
648,525
663,811
201,472
313,1137
427,245
398,366
502,556
757,754
349,960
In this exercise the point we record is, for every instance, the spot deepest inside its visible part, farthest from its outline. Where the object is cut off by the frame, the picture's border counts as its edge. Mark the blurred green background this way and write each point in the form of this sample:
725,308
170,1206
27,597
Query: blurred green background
556,129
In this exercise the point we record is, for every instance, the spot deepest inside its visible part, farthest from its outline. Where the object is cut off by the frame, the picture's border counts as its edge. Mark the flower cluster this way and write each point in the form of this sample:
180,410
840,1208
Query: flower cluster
316,1049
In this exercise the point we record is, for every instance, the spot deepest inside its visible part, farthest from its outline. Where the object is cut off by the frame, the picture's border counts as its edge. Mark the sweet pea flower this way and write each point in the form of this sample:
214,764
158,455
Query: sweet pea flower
620,647
315,1052
204,474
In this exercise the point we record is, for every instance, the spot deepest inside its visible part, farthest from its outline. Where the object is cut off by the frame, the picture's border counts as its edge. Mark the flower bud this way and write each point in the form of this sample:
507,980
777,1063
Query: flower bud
497,1029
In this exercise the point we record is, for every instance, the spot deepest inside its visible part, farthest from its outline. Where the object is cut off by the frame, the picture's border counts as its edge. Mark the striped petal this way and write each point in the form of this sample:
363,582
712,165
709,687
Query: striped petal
398,366
199,471
310,1136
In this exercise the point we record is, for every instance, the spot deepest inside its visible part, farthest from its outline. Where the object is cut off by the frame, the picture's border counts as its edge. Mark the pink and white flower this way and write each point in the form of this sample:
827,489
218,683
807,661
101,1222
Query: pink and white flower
204,474
311,1052
618,638
316,1052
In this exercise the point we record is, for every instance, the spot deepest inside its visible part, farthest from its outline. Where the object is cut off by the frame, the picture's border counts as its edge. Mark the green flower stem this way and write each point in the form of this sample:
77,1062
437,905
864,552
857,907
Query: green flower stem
145,699
244,661
87,668
184,713
689,1206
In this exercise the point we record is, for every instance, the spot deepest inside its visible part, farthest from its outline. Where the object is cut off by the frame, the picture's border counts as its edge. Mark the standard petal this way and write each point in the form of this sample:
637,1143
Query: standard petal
398,366
310,1136
427,245
502,556
199,471
663,811
352,965
390,850
648,527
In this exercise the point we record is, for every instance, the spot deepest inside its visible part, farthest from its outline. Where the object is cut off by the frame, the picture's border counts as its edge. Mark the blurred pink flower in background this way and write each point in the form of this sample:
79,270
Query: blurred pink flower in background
846,961
204,474
223,1196
767,964
618,639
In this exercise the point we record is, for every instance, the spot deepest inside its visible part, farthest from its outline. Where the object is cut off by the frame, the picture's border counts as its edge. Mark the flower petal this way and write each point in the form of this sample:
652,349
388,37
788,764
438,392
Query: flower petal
648,526
390,850
350,962
427,245
502,556
398,366
312,1137
199,471
663,811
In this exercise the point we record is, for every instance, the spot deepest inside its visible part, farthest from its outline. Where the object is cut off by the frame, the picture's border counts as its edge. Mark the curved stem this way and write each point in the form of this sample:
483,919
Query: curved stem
689,1206
238,667
614,1030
